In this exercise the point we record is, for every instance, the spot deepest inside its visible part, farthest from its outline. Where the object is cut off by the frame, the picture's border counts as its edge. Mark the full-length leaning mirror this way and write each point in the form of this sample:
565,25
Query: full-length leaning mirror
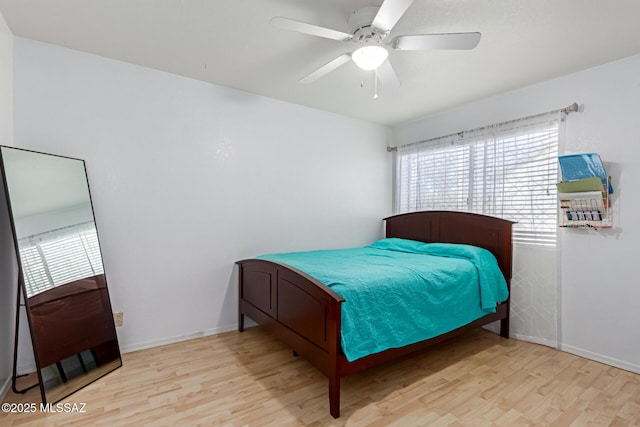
63,285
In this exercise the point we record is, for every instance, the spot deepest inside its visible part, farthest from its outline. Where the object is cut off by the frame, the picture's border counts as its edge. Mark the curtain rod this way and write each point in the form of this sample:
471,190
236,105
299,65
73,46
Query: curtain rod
570,109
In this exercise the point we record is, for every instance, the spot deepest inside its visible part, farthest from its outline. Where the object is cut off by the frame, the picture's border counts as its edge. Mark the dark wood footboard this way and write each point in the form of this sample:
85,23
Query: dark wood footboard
306,315
295,307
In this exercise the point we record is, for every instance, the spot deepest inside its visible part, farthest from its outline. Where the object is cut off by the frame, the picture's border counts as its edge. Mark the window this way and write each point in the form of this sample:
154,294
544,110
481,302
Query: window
62,256
507,170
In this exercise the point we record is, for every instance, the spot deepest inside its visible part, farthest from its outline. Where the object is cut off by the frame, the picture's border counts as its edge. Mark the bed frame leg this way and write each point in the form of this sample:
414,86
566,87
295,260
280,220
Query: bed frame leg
504,323
504,328
334,396
241,322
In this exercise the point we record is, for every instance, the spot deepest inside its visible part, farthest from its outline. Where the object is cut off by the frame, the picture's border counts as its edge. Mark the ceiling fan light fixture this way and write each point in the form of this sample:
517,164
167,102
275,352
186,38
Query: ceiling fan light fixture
370,57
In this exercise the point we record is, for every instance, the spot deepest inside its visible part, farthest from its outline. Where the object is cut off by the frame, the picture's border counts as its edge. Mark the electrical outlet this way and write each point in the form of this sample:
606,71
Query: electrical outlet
118,318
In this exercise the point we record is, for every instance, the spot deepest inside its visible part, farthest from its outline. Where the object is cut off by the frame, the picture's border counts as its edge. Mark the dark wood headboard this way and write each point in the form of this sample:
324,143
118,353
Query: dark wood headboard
491,233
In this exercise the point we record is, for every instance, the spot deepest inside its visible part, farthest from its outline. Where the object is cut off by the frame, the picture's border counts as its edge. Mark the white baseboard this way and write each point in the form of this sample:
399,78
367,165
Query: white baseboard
616,363
535,340
631,367
495,327
178,338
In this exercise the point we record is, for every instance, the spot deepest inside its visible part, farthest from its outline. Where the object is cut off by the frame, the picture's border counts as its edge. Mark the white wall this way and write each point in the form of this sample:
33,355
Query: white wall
188,177
598,274
6,83
8,268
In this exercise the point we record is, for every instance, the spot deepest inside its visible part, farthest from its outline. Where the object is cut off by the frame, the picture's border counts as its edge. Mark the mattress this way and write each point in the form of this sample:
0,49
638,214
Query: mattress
398,292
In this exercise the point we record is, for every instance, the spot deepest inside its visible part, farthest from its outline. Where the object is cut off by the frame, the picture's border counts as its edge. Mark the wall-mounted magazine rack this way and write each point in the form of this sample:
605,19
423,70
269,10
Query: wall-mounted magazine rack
584,192
585,209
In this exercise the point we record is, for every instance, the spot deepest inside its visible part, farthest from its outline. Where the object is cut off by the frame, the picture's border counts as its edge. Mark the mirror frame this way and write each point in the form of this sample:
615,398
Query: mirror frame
23,300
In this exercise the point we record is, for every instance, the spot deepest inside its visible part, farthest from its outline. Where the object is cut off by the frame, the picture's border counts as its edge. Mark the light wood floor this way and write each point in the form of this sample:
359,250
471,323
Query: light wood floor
238,379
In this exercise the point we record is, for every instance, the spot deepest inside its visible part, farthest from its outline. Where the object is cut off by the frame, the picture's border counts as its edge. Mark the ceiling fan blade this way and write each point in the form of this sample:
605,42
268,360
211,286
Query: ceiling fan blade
436,41
314,30
390,13
388,76
326,68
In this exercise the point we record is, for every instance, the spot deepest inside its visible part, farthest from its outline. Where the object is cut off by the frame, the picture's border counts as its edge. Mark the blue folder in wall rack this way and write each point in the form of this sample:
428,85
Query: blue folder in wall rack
575,167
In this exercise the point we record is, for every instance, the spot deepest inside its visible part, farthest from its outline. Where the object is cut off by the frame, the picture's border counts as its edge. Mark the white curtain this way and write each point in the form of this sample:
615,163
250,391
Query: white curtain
508,170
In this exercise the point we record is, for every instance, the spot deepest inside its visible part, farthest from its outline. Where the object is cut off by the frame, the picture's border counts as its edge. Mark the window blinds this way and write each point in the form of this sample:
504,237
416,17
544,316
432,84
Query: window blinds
57,257
507,170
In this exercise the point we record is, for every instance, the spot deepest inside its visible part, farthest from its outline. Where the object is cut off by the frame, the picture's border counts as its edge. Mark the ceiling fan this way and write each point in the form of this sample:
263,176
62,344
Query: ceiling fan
370,27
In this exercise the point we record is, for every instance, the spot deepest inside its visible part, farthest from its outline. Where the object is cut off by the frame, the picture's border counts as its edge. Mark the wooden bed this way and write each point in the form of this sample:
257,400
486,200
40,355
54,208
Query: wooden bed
306,315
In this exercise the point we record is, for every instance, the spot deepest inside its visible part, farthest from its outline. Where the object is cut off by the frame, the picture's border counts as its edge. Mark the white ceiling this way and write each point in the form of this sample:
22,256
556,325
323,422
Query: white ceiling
231,43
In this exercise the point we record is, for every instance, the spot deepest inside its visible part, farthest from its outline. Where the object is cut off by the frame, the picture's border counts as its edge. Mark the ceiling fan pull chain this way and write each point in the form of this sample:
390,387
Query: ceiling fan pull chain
375,84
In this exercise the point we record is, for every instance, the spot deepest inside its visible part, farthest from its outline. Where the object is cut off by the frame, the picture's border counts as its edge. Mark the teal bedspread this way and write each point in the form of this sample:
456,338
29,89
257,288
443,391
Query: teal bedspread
398,292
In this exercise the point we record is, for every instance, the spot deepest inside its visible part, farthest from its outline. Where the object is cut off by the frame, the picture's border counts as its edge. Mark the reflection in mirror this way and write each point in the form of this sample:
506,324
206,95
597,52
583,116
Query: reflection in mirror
63,279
